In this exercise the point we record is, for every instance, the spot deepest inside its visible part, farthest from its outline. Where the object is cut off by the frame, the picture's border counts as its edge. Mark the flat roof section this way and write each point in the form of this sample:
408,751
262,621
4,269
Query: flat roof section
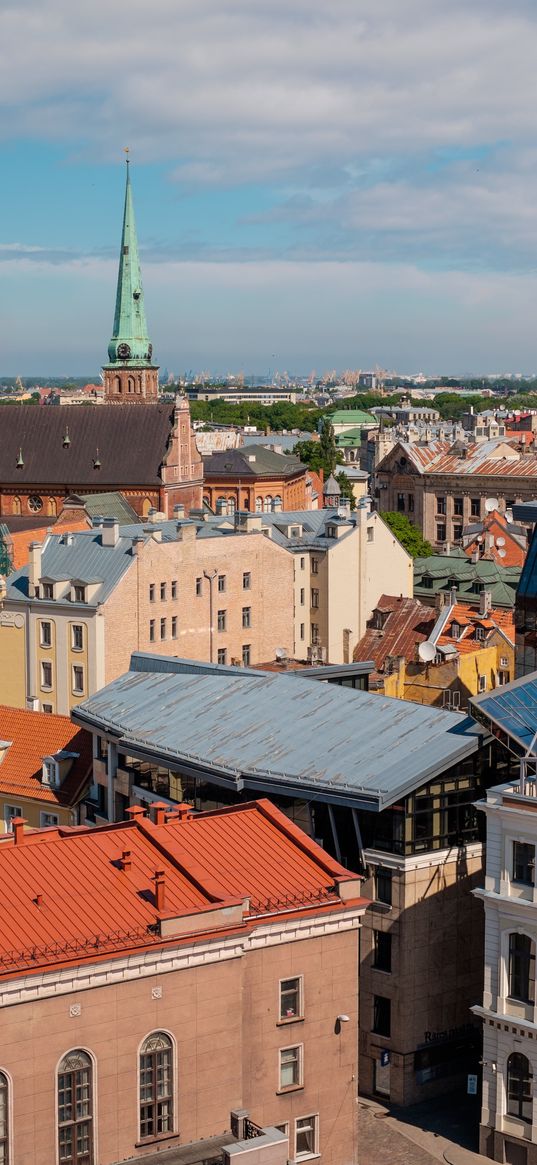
277,734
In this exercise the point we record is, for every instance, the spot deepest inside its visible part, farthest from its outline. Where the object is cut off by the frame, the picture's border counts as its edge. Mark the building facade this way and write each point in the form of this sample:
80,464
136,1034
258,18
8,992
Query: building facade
70,620
45,768
255,479
172,981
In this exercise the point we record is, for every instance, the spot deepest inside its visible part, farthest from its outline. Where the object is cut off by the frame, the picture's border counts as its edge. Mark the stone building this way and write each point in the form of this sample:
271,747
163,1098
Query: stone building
163,973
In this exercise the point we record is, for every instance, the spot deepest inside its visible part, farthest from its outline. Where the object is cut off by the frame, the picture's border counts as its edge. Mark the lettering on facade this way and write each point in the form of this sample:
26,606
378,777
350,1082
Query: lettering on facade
10,619
451,1033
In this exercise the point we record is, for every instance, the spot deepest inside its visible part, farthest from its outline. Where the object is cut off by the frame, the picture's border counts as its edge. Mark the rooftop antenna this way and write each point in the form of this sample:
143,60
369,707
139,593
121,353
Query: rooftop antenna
491,504
427,651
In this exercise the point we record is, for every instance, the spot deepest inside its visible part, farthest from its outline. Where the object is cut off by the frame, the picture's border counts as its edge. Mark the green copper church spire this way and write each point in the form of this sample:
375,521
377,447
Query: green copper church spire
129,345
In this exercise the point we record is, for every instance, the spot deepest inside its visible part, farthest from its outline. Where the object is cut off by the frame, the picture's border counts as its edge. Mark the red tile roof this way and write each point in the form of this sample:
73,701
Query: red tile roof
496,526
468,619
409,622
67,896
496,458
34,735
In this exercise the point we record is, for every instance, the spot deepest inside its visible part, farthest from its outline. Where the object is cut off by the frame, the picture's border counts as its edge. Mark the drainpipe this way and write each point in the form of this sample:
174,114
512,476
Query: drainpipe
112,773
210,575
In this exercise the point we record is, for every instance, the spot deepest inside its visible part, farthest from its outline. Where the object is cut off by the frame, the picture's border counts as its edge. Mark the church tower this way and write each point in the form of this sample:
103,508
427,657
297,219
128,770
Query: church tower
130,376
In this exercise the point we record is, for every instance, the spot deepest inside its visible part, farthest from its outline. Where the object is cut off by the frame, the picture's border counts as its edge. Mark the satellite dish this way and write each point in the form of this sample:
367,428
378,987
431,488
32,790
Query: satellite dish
427,652
281,653
500,542
479,538
502,553
491,504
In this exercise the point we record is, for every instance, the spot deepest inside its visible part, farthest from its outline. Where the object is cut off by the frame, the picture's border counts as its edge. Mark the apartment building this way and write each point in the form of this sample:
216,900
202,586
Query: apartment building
443,487
45,768
70,619
255,479
509,896
388,787
172,980
340,563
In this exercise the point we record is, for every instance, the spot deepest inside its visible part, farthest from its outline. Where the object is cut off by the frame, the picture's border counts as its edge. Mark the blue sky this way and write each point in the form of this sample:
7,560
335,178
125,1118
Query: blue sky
316,185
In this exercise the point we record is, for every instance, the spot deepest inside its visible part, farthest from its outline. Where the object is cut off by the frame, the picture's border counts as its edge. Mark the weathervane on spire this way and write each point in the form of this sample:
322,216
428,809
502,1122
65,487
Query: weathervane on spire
126,150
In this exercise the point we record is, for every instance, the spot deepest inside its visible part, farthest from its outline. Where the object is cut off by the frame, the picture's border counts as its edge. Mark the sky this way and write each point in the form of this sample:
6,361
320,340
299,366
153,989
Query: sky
318,184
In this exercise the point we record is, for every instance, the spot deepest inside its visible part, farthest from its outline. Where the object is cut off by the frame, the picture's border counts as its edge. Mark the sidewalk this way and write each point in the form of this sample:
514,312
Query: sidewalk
387,1137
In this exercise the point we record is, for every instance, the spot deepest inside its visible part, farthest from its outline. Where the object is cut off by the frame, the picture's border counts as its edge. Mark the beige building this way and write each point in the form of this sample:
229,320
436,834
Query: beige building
168,984
442,487
70,620
341,563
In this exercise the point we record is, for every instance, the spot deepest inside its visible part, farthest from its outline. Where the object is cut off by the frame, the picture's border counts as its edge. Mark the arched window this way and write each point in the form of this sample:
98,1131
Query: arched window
259,505
16,506
51,510
521,968
156,1085
118,384
519,1102
221,505
4,1119
277,503
75,1109
267,504
130,384
146,506
231,505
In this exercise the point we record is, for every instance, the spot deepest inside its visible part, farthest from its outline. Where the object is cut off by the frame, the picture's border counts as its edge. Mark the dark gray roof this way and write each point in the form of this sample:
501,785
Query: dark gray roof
132,440
276,733
236,462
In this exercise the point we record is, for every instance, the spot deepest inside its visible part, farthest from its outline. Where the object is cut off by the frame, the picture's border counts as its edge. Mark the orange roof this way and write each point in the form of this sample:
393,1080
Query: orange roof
32,736
73,895
495,526
468,619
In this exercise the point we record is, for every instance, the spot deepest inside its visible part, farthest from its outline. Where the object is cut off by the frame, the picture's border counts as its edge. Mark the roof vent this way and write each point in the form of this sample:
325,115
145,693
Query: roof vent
66,438
97,460
20,461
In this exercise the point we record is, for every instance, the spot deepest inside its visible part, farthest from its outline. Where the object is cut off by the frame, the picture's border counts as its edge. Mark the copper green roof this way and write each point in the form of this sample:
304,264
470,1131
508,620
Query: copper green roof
130,342
352,417
439,572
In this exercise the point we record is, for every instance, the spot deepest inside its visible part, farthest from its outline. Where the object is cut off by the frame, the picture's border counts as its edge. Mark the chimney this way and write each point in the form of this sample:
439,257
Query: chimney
135,812
184,811
485,602
178,511
157,812
17,826
160,890
453,596
186,532
490,541
110,532
475,555
126,860
34,571
137,544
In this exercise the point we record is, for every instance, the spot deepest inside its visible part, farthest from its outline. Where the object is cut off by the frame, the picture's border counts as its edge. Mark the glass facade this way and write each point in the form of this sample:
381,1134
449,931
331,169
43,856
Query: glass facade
526,614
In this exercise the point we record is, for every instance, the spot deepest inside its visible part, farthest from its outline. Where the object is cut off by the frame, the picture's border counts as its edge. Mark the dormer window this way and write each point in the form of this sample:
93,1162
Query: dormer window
455,631
480,633
331,531
50,772
79,593
48,591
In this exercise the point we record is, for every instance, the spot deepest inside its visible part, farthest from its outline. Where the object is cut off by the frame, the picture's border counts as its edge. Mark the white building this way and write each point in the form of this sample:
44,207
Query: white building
509,1106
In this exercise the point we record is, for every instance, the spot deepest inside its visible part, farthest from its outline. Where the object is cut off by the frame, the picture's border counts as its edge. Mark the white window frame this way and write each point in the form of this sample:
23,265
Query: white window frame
51,772
77,691
42,640
314,1118
8,816
48,824
482,683
299,1048
46,687
79,627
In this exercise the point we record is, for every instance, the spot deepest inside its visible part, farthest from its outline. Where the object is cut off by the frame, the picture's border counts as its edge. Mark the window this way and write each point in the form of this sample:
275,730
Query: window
411,503
77,637
523,863
247,616
4,1119
306,1136
457,507
156,1085
198,586
482,683
381,1015
50,773
315,566
370,533
151,592
521,968
80,594
441,505
383,885
401,503
427,582
246,580
291,1067
455,631
291,998
46,820
221,620
78,680
475,507
222,655
302,596
302,629
46,675
504,662
457,533
259,505
48,591
174,588
315,633
46,634
162,591
302,563
314,597
75,1109
382,950
174,626
47,708
162,628
151,630
441,532
11,811
246,654
519,1077
221,583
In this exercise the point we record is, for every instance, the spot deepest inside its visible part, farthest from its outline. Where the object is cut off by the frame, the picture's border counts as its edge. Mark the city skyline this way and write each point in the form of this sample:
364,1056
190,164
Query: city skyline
313,188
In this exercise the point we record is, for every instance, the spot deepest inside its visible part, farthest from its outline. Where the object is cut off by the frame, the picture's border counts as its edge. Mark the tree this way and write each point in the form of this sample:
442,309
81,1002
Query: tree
411,538
327,445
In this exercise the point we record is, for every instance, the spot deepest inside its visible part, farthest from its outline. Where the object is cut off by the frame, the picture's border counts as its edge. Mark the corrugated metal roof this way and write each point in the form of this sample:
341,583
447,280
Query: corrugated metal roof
276,732
495,458
82,558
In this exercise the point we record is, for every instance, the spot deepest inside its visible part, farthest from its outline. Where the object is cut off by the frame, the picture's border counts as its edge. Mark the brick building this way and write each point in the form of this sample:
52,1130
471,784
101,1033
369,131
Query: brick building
159,973
45,768
256,479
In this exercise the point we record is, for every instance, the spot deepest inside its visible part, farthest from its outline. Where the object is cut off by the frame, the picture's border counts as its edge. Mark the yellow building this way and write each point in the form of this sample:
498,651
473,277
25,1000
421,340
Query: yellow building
45,768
